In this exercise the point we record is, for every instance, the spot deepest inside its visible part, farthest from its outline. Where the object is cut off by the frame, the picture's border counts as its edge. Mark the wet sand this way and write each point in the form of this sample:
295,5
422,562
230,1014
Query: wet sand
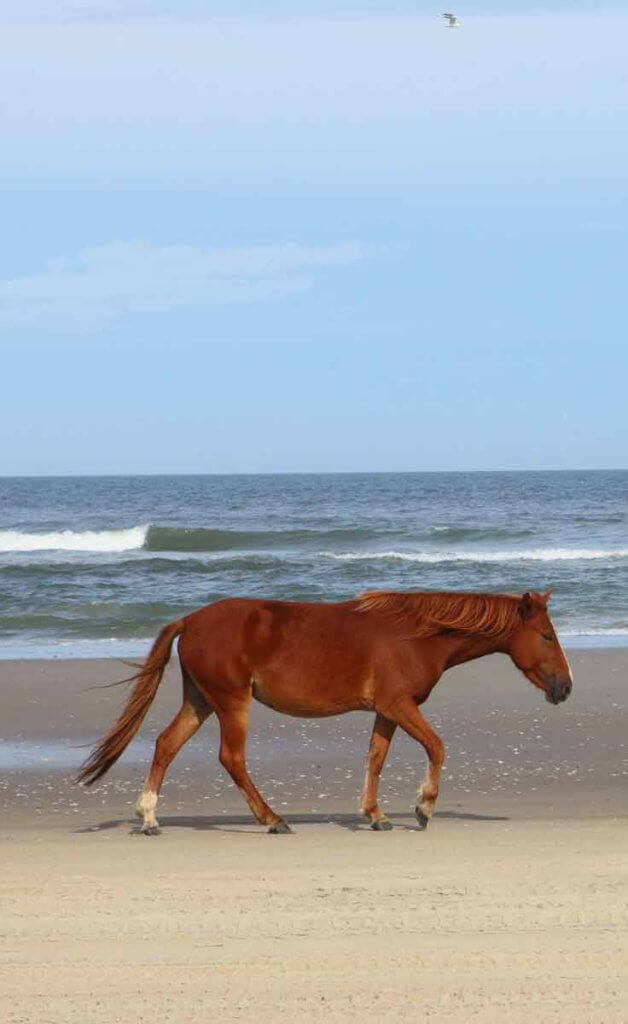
509,753
512,903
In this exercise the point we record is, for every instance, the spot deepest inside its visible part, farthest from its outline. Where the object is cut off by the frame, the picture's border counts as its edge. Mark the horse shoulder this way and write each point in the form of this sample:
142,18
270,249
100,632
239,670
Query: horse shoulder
406,667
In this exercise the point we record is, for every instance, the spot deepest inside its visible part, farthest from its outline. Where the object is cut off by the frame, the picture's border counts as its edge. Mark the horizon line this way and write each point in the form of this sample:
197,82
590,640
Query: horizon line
315,472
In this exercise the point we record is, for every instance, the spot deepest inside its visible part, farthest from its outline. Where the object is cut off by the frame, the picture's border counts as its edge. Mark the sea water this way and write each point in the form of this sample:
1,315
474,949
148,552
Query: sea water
96,565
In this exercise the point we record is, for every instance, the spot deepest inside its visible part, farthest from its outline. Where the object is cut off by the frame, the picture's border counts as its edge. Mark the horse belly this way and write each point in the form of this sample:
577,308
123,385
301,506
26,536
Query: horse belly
310,701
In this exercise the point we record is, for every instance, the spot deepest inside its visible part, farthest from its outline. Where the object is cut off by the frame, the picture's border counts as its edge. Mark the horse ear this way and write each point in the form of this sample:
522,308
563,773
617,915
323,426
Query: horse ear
525,605
547,595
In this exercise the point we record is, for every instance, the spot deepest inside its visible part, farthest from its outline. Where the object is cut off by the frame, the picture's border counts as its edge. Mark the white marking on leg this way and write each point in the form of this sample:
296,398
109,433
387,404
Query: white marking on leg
426,806
430,784
145,808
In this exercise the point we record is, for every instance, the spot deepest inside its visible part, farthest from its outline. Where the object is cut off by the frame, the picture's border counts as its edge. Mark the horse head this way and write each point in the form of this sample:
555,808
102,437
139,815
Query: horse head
535,649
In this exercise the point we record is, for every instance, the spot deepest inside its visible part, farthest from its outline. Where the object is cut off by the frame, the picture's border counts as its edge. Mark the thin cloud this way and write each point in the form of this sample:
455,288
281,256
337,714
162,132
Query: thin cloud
106,282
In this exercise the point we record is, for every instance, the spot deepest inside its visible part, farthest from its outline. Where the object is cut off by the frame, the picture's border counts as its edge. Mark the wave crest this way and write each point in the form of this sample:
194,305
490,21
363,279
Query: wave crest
68,540
204,539
434,557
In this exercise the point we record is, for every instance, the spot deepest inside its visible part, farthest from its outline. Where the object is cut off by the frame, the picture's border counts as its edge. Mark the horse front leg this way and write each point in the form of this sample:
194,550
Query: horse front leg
383,731
406,714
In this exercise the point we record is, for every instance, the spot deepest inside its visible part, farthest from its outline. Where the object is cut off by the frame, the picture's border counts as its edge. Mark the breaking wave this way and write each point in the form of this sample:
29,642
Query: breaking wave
434,557
163,539
67,540
595,631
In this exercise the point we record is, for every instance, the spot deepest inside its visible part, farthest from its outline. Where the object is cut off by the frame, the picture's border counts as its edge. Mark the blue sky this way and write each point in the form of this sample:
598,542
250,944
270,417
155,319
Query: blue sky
329,236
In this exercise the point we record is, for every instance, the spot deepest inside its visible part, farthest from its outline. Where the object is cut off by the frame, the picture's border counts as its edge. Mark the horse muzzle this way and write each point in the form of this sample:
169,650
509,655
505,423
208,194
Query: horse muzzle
556,690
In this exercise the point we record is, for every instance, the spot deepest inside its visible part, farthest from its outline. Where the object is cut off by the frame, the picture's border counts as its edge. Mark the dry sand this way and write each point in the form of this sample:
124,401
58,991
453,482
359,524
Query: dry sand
512,906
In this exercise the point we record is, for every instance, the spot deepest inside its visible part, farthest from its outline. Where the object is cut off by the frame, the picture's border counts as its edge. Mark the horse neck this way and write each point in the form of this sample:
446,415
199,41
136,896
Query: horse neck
467,647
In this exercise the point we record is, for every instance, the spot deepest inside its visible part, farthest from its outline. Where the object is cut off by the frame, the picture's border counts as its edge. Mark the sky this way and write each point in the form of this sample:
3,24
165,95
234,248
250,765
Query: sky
312,236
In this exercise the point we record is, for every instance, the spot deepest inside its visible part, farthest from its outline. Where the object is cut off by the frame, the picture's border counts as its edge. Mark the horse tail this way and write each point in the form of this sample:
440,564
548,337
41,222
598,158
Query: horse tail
147,680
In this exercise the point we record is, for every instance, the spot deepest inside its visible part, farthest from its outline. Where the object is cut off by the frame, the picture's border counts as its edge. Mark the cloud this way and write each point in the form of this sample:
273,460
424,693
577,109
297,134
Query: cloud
106,282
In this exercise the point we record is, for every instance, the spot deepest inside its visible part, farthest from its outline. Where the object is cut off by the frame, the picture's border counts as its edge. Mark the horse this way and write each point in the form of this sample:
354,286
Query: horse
381,652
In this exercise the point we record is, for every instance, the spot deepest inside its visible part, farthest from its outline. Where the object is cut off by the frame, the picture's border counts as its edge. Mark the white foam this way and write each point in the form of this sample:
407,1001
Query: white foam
67,540
533,555
592,631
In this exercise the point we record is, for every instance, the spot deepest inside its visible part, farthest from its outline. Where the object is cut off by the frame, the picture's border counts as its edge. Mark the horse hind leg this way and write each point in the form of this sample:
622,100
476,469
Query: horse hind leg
186,722
233,730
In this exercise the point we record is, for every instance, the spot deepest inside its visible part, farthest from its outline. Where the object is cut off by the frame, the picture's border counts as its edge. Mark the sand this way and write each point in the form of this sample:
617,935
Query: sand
512,905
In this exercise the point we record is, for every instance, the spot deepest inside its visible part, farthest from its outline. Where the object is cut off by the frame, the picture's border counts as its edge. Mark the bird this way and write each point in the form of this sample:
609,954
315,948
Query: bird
453,21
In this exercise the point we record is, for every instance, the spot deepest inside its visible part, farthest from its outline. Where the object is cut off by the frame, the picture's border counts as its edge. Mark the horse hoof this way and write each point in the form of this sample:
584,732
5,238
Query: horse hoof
151,830
280,829
422,819
383,825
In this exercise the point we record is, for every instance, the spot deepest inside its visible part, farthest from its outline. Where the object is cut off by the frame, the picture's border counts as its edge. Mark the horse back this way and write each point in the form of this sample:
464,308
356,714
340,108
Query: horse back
300,658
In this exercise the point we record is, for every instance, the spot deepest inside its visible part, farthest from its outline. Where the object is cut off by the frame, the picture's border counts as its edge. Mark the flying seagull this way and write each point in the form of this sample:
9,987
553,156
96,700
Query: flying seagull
453,21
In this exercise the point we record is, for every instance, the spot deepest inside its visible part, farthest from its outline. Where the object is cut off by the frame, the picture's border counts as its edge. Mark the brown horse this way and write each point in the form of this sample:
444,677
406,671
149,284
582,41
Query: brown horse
382,652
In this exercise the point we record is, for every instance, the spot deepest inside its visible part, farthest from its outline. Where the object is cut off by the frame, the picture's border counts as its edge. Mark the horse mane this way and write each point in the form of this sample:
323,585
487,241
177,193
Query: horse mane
427,613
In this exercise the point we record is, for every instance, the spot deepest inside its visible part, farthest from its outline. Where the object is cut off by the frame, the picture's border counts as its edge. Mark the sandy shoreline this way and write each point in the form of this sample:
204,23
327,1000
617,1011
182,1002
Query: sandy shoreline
513,903
509,753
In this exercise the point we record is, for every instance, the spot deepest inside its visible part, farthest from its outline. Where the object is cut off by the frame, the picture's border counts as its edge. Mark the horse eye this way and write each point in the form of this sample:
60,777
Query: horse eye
548,637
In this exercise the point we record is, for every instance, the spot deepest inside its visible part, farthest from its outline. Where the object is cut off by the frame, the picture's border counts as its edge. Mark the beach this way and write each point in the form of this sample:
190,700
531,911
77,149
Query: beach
512,902
317,309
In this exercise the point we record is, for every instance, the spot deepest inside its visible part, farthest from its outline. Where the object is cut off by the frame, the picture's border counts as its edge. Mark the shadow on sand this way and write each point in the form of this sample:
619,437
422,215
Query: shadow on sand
243,822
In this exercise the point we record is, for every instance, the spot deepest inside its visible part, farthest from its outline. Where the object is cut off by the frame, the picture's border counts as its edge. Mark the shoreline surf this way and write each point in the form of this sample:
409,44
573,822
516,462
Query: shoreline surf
97,566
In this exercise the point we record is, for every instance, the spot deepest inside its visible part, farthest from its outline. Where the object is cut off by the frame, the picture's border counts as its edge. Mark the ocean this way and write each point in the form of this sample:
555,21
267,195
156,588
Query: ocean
94,566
